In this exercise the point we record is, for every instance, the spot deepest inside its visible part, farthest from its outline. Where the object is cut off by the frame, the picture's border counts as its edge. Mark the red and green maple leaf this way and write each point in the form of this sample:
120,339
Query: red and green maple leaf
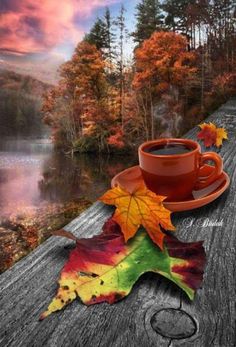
104,268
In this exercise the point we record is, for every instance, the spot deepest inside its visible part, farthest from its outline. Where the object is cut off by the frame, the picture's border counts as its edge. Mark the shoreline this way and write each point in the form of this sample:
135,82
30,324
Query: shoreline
23,231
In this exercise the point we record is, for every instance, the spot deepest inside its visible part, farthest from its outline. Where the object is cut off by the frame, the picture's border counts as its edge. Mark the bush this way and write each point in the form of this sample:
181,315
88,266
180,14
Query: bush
86,144
224,86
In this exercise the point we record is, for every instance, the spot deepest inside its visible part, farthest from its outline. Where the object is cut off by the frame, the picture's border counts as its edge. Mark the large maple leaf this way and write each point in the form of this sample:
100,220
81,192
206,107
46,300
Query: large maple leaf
211,135
104,268
139,207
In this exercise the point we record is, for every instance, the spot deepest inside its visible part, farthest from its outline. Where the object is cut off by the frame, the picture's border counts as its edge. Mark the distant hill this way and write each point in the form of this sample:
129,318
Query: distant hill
14,81
44,69
20,105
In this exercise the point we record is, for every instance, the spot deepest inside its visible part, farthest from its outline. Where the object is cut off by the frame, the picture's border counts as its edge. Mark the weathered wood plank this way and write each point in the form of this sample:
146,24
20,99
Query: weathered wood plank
214,306
27,288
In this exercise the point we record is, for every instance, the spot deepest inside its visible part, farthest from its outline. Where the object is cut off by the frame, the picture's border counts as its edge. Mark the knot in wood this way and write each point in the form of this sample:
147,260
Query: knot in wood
173,323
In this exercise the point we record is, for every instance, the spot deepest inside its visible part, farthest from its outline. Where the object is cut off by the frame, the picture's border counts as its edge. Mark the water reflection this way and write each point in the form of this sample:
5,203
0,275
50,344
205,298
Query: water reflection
31,173
84,176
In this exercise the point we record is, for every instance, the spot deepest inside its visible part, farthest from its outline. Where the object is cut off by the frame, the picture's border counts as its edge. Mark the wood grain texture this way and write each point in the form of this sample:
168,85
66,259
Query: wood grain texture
27,288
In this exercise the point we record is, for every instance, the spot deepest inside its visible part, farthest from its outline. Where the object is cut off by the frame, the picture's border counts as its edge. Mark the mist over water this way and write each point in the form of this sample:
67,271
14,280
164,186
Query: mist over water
24,146
20,171
32,175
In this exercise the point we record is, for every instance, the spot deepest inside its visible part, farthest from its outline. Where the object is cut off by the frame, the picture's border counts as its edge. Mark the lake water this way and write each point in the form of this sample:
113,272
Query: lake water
31,173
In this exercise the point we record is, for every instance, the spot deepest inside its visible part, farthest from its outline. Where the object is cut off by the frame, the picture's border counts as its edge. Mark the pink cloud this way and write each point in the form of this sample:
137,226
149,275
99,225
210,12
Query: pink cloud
29,26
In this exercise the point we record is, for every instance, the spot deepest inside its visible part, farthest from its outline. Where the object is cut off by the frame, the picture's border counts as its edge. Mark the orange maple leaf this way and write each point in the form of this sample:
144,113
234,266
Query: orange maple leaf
211,135
139,207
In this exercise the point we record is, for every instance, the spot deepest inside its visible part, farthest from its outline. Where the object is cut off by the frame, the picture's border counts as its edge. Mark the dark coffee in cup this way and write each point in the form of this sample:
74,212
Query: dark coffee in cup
168,149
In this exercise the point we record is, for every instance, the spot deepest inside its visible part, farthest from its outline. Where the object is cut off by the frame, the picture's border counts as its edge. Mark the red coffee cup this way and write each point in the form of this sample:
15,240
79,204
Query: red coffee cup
176,175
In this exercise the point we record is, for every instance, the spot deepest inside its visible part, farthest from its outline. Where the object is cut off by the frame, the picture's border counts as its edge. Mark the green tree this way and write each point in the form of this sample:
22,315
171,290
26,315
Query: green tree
109,37
176,14
97,35
149,19
122,32
101,35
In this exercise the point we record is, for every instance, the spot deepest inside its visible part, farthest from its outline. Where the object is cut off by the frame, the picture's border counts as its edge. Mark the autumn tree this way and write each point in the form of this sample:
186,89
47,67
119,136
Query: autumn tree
163,65
83,88
183,68
149,19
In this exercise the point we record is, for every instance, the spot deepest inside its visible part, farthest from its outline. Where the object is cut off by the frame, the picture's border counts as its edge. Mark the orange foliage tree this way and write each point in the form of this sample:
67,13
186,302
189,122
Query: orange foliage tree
163,65
79,109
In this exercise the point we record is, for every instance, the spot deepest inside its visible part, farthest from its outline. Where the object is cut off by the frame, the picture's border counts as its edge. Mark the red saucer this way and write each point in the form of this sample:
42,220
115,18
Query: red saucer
129,178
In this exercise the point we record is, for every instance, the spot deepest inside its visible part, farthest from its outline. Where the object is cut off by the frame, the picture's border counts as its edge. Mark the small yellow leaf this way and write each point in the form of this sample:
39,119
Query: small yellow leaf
221,134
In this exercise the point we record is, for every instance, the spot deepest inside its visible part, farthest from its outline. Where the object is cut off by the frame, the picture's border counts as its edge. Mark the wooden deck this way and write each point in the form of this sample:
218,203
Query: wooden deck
156,313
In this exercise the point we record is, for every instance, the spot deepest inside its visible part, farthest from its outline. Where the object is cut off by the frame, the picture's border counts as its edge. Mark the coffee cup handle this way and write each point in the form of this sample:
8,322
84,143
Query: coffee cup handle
203,182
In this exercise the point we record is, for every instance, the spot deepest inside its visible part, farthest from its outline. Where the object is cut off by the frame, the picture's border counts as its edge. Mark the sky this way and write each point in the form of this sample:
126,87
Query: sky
40,34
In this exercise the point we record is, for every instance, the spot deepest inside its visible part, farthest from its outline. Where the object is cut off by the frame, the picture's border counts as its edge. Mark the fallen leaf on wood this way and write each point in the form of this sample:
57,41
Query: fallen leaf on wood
139,207
211,135
104,268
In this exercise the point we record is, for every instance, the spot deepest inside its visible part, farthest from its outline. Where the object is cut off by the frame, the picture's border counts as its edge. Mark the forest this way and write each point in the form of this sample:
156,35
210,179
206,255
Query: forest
183,68
20,105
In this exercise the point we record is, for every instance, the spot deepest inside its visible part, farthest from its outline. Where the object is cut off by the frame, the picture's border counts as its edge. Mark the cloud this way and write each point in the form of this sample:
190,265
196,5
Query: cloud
31,26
